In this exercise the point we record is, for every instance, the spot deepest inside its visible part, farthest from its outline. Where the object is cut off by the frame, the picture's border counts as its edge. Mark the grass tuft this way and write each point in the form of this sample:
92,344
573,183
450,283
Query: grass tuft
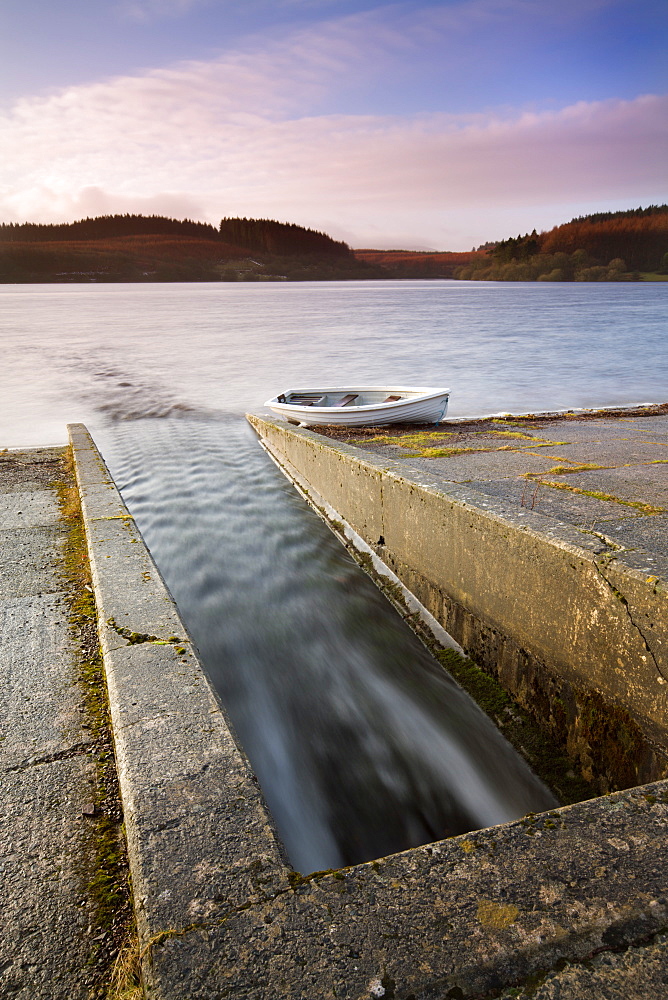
126,972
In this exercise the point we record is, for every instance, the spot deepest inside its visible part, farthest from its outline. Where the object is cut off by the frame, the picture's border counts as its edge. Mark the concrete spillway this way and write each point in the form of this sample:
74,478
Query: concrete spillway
573,900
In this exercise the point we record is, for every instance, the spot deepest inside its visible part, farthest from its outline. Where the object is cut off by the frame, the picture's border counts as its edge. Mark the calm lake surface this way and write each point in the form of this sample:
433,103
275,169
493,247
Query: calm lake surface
363,746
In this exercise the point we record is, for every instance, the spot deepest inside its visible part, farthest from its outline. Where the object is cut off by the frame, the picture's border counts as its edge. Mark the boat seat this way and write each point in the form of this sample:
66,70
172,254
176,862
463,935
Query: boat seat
346,400
307,399
391,399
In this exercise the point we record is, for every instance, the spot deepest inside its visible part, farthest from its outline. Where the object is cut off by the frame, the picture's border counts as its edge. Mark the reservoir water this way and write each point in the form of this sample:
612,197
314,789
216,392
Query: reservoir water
362,744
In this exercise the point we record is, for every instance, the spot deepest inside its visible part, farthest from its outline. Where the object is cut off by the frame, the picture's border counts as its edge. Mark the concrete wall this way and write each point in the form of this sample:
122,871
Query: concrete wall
562,618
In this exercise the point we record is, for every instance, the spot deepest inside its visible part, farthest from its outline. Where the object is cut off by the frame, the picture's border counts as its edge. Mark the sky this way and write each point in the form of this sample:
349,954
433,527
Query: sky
412,125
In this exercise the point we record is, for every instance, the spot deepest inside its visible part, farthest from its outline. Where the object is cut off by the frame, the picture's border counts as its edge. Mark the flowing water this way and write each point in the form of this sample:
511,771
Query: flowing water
362,744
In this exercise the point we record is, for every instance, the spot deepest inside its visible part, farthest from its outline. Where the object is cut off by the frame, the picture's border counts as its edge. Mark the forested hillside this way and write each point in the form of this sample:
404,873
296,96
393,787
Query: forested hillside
418,264
154,248
105,227
280,238
612,246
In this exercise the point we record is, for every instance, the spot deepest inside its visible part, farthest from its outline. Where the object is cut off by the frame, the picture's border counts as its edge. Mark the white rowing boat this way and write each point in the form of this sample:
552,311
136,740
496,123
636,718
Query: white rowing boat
359,406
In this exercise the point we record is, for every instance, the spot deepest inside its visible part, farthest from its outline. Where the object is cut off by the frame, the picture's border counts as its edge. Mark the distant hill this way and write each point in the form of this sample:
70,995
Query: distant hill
105,227
418,264
607,246
280,238
154,248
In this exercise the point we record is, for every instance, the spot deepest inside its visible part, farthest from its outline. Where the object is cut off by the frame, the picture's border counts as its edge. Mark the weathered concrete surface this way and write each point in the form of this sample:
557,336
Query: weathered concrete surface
46,850
634,974
460,918
572,621
199,838
222,915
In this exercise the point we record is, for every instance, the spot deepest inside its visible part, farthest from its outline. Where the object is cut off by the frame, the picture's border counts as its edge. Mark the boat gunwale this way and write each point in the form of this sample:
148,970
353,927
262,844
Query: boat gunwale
418,395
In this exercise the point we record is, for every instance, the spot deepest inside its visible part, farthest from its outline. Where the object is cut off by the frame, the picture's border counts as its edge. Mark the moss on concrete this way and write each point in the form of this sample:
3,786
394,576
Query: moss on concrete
645,508
611,739
535,743
107,873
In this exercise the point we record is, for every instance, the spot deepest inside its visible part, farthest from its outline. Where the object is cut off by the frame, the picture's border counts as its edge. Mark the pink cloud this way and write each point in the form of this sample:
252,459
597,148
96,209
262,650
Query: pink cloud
234,136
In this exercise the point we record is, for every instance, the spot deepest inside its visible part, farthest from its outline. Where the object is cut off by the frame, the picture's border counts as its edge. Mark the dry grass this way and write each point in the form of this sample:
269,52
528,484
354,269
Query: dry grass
126,973
645,508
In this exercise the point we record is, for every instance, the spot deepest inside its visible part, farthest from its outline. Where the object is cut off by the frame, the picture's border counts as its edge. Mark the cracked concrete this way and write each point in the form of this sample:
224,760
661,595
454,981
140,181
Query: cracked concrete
636,973
46,854
620,597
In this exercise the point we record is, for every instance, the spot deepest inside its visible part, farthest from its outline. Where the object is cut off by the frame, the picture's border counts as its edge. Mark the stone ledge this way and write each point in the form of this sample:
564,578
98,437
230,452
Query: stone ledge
460,918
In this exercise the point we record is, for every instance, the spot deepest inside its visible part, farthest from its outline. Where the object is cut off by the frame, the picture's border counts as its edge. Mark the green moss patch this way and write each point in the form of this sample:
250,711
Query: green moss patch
552,764
645,508
564,470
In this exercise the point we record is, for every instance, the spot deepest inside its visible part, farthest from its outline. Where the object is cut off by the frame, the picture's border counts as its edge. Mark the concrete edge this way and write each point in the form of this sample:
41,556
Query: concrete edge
582,544
196,825
408,603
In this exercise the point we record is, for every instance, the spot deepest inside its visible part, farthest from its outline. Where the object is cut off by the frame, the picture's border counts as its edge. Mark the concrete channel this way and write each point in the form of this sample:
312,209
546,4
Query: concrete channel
567,904
560,595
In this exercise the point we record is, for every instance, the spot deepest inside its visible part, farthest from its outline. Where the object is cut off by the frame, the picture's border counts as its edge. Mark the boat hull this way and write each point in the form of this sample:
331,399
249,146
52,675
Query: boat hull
416,406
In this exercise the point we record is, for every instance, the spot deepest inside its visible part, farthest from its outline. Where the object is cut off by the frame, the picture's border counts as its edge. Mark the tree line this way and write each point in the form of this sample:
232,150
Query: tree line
104,227
280,239
258,235
606,246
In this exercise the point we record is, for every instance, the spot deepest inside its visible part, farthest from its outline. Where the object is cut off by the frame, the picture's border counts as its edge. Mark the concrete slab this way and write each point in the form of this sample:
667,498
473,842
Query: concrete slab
473,465
46,861
460,918
648,533
151,611
642,542
631,452
634,974
612,451
30,509
656,426
28,558
39,693
581,511
592,425
53,944
641,484
35,469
